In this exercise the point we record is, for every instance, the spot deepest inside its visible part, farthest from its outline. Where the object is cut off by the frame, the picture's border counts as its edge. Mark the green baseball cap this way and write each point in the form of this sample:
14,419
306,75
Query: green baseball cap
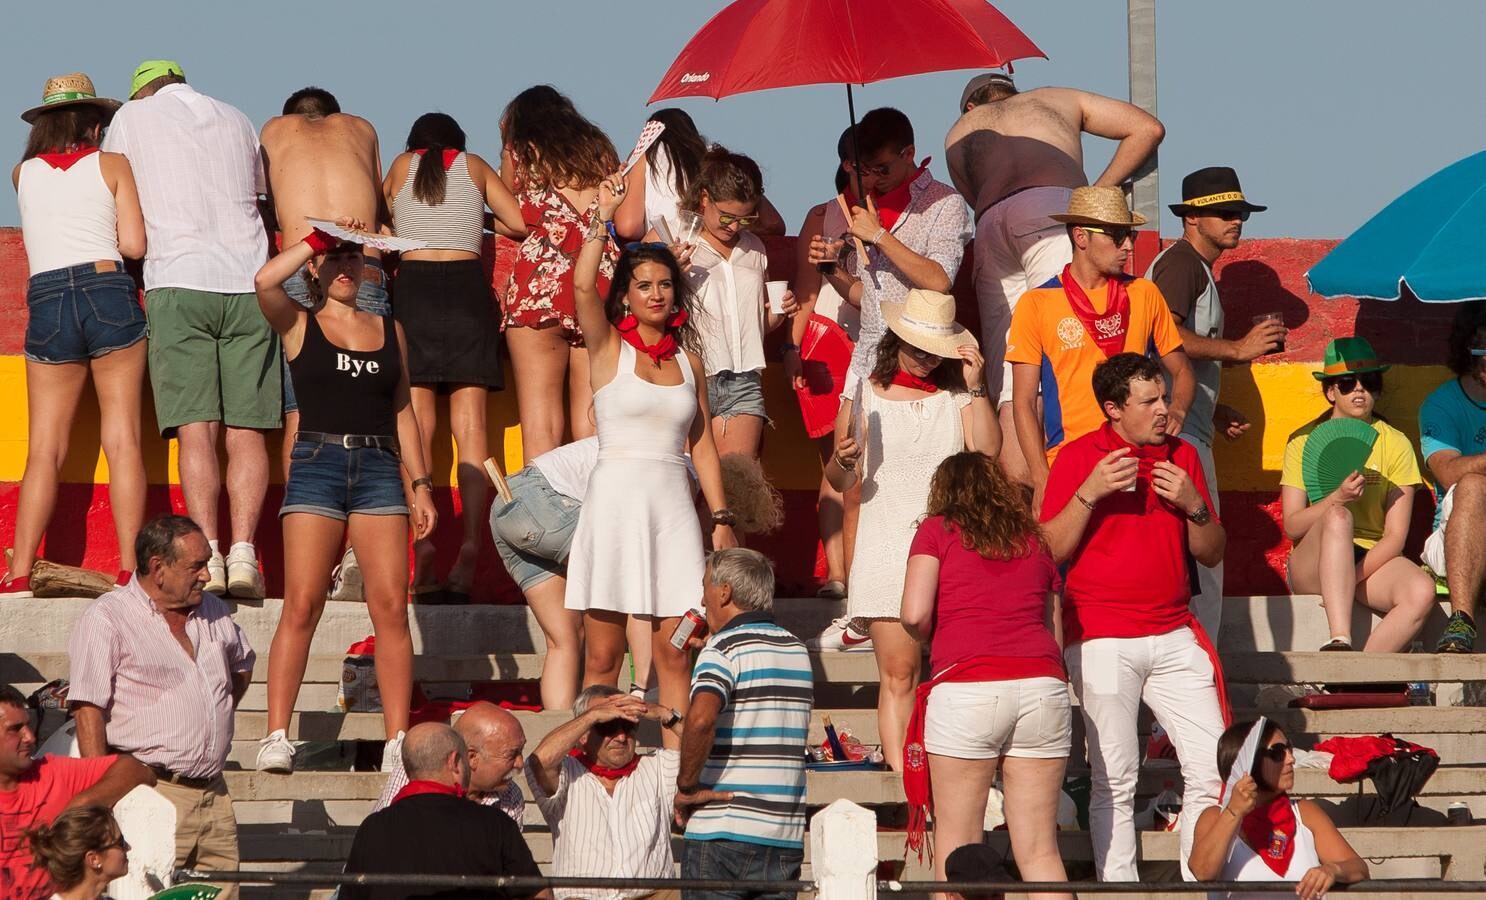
151,69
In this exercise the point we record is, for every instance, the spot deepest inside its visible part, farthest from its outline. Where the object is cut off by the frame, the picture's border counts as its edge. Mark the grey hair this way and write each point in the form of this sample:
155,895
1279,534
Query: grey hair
425,751
748,572
158,538
590,694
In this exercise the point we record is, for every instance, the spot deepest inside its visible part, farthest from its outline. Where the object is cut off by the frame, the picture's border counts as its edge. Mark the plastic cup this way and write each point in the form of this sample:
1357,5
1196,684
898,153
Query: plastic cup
832,254
689,226
776,290
662,230
1272,317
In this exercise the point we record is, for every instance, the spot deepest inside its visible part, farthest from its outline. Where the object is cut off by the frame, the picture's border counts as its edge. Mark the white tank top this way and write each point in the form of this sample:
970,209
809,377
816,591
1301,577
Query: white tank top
1245,865
67,217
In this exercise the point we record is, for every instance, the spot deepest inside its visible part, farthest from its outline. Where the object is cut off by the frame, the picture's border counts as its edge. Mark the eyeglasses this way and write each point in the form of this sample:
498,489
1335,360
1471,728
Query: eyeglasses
632,246
1118,235
614,726
878,171
727,220
1372,382
1276,752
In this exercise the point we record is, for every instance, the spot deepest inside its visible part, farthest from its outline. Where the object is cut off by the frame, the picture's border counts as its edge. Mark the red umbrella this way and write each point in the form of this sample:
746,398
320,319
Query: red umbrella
753,45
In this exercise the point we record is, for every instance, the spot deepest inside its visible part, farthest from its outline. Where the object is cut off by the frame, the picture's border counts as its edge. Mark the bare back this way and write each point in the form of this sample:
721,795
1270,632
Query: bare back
1030,139
324,168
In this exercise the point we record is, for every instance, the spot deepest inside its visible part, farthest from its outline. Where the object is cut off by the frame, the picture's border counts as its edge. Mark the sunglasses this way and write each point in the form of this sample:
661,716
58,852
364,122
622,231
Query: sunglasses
1276,752
878,171
923,355
1118,235
1372,382
727,220
632,246
1229,215
119,842
614,726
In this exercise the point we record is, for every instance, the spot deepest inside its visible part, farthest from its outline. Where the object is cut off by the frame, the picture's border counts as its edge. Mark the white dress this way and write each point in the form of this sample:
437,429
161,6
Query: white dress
1243,864
906,441
638,546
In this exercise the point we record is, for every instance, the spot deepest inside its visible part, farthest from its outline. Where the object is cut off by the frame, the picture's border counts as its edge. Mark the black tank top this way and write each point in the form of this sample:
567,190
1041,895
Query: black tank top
344,391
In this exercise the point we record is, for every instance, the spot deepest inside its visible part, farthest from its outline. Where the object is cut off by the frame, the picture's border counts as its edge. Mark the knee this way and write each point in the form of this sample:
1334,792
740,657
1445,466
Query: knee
666,658
1337,520
1420,595
299,618
602,657
1470,491
898,677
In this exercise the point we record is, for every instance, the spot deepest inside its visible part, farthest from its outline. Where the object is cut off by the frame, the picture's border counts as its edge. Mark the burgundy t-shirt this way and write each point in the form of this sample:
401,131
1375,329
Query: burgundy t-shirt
990,607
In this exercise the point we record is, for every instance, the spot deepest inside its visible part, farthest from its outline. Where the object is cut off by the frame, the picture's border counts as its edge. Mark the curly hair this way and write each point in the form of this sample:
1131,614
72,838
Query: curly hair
757,504
552,142
687,335
947,376
972,493
727,177
1466,332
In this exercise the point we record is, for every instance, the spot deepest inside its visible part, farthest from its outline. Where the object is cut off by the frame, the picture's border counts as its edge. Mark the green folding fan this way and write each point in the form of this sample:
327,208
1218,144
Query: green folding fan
188,892
1334,450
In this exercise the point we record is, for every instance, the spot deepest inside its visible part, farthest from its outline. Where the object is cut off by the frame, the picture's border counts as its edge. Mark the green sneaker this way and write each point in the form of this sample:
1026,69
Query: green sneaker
1459,636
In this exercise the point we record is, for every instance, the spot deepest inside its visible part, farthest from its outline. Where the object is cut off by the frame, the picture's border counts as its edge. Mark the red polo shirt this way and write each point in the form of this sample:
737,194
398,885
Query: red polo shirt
1129,575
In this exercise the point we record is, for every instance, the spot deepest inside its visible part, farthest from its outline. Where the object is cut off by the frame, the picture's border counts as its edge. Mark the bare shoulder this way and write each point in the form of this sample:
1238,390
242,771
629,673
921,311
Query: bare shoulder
354,123
1311,813
272,127
477,165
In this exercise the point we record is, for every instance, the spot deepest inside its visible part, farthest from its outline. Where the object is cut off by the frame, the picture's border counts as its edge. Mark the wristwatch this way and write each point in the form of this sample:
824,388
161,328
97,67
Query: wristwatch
724,516
425,481
1202,516
672,719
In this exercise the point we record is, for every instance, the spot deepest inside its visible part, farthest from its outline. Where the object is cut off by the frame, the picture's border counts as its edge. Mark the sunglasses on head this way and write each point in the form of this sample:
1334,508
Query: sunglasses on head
1372,382
1275,752
632,246
1118,235
615,726
727,220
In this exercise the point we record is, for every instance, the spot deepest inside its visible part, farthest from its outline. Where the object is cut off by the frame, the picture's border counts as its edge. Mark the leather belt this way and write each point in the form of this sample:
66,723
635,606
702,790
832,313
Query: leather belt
350,441
199,784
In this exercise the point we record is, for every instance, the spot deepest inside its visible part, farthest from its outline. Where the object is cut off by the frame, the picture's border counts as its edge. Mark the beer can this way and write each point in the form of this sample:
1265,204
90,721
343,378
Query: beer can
691,624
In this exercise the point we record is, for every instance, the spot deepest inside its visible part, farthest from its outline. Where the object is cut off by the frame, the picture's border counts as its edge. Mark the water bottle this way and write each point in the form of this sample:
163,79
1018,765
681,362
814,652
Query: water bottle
1168,808
1419,692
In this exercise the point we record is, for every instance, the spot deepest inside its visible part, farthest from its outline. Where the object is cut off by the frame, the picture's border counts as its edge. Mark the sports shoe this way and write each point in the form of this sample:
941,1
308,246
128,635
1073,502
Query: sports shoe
1459,636
243,578
276,753
841,634
1336,645
216,575
391,752
345,581
832,590
15,588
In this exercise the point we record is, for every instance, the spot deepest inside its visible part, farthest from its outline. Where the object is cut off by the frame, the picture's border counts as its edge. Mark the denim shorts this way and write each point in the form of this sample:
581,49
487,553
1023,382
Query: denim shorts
724,860
736,394
82,312
370,297
334,481
534,532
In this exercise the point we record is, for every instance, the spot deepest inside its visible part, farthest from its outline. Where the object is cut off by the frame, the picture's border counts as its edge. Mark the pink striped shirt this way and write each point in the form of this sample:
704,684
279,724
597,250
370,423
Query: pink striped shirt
159,704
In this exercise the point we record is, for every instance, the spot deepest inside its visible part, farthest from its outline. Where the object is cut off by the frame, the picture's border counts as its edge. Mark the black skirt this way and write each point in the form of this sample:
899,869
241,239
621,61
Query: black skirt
451,321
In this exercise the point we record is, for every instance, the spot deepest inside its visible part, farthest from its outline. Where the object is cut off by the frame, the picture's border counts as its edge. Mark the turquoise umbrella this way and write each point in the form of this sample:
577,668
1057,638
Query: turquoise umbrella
1426,242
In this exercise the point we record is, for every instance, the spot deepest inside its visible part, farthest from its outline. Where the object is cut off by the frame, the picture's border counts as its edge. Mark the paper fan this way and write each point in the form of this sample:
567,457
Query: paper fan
825,355
188,892
1243,764
648,136
1334,450
384,242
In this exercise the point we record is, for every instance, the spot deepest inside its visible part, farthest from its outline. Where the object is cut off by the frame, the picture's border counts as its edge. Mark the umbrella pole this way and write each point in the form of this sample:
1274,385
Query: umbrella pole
856,151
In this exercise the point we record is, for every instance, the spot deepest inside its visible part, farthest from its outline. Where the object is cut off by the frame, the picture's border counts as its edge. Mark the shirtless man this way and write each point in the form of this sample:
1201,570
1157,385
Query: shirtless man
1016,159
324,164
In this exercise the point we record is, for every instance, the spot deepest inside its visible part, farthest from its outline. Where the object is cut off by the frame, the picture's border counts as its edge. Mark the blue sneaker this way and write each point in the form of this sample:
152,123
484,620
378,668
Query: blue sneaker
1459,636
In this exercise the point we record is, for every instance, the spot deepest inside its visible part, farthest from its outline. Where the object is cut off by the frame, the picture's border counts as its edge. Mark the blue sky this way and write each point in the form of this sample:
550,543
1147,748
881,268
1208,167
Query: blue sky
1327,108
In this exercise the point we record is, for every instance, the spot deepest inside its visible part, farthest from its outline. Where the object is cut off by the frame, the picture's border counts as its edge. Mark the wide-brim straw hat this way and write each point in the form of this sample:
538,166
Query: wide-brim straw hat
70,90
1099,206
926,320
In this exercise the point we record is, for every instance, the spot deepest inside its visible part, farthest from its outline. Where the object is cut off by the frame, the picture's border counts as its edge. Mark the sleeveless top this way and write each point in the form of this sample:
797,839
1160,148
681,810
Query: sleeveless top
67,215
637,419
1244,864
1205,320
347,391
458,223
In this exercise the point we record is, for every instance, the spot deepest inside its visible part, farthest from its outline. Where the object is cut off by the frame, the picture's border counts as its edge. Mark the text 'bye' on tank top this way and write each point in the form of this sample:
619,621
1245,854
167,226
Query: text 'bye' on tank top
347,391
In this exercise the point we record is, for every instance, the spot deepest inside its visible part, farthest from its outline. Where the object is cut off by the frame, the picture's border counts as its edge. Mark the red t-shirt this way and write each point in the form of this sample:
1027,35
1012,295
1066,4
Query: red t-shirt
1129,575
40,796
990,607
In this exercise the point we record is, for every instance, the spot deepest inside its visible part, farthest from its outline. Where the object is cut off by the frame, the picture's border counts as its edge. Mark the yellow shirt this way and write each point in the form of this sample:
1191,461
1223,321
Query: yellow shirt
1391,464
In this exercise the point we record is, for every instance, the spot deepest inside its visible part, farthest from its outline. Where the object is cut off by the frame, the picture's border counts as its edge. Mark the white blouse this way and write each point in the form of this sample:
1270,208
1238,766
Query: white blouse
730,304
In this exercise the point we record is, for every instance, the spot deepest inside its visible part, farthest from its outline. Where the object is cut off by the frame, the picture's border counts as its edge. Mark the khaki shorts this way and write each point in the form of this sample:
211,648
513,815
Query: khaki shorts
213,358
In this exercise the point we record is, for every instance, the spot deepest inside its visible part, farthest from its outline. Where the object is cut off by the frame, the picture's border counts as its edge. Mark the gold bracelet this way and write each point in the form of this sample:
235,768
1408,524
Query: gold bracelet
1080,498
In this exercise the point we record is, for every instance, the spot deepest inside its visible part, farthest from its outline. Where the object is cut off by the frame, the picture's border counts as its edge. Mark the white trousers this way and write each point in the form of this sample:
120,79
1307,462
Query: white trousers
1174,677
1207,604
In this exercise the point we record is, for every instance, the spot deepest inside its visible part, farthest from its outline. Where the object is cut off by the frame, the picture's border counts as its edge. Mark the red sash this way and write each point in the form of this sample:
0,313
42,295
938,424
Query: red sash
414,788
908,379
604,771
663,349
892,205
450,154
1270,833
64,161
1108,331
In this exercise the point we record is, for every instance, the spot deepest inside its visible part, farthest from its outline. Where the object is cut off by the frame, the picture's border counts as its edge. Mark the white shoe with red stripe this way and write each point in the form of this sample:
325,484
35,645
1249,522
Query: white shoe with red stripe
841,634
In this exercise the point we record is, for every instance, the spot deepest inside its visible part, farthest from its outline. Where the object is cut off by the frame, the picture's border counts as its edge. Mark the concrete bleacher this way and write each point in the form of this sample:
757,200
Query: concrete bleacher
306,820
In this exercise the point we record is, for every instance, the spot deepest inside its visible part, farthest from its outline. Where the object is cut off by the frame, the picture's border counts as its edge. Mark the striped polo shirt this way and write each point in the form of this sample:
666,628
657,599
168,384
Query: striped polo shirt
763,675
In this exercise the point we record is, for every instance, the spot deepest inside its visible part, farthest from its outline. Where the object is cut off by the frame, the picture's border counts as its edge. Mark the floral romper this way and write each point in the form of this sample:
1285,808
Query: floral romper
540,292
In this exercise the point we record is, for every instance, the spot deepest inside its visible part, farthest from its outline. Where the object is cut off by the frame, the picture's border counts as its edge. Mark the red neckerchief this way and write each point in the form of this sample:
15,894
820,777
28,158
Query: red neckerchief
663,349
1270,833
1109,330
916,787
892,205
414,788
64,161
604,771
908,379
449,155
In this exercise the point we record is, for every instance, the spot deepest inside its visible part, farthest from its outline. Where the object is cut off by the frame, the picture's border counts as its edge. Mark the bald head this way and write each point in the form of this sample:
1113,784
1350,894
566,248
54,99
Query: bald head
434,752
496,743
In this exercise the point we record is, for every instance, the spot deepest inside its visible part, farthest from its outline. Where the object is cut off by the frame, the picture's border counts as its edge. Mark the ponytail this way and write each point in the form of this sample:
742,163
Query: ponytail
428,184
433,133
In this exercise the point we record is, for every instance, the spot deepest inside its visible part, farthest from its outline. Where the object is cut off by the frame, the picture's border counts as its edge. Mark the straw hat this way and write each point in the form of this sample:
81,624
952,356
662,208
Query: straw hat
1099,206
70,90
926,320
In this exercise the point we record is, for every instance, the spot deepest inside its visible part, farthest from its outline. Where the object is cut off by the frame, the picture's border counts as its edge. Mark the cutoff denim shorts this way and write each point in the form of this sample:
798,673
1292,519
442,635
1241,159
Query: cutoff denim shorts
736,394
371,297
534,532
82,312
334,481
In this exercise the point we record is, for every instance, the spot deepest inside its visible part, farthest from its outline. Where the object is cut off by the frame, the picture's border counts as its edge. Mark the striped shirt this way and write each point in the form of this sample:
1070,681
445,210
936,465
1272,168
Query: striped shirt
623,835
762,673
458,223
508,800
158,703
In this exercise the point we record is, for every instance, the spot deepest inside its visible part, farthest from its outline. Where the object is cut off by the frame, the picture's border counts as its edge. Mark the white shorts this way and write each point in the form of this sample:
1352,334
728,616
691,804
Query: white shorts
1433,554
1023,717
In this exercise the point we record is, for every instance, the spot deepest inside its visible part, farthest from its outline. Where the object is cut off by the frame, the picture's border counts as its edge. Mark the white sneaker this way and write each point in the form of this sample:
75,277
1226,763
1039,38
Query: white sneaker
243,578
216,575
391,752
841,634
345,582
276,753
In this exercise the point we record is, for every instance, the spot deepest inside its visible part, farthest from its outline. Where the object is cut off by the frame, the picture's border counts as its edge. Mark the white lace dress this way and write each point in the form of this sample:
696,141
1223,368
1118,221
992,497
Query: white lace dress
906,440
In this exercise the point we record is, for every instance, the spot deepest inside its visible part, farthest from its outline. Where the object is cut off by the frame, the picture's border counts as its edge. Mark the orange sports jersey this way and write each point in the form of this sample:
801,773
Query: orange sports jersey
1045,332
